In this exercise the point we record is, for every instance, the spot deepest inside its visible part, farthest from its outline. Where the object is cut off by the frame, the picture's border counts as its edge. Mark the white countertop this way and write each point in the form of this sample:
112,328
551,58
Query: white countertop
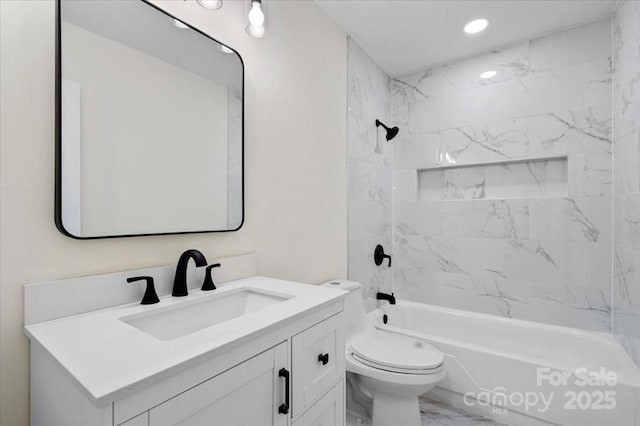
106,355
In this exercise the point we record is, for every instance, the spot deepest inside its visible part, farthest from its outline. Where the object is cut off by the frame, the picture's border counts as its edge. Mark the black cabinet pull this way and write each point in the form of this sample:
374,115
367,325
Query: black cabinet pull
323,358
284,408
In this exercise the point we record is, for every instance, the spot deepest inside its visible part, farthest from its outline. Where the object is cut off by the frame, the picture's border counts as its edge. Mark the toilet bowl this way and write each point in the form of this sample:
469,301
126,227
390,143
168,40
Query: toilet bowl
393,369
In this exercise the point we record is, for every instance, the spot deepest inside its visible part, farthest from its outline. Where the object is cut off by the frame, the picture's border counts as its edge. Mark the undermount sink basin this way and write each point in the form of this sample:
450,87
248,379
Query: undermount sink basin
185,318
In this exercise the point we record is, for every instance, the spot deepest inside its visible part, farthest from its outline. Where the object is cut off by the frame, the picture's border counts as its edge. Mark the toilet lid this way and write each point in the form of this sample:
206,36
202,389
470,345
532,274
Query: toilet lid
392,351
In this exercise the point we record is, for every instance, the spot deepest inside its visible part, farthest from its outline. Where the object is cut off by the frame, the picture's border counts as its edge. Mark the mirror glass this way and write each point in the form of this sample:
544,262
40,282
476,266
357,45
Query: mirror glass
149,124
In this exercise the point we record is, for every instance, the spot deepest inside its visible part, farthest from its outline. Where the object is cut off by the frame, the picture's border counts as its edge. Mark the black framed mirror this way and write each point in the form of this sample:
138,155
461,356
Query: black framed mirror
149,124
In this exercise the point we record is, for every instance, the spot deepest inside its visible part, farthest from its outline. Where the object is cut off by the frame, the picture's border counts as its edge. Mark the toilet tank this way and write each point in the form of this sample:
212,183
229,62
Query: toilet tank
355,317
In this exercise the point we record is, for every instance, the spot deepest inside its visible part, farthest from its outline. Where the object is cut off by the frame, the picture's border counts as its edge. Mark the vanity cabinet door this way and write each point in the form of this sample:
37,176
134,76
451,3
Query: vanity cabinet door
328,411
141,420
318,362
247,394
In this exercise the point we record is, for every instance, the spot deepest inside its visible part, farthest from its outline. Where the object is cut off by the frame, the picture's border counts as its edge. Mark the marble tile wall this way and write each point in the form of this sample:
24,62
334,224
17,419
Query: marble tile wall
626,187
528,236
370,172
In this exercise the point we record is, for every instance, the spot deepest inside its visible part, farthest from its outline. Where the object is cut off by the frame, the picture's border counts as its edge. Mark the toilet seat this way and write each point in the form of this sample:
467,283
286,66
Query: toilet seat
395,353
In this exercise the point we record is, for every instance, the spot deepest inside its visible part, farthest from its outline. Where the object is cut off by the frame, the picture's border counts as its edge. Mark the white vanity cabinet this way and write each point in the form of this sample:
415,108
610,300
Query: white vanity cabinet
251,393
243,395
276,359
319,362
254,392
279,367
329,410
141,420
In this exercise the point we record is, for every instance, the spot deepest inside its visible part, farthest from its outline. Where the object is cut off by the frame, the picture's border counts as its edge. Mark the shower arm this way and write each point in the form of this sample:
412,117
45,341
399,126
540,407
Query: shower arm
380,123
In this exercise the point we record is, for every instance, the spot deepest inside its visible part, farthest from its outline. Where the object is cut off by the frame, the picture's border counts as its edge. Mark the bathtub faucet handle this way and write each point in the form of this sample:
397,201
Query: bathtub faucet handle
379,255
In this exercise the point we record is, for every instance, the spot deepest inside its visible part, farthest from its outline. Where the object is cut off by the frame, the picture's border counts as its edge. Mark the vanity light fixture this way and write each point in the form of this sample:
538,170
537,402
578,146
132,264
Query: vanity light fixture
256,18
476,26
210,4
488,74
179,24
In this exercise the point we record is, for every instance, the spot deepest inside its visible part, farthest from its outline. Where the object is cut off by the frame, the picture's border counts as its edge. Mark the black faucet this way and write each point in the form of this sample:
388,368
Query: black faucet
388,297
180,281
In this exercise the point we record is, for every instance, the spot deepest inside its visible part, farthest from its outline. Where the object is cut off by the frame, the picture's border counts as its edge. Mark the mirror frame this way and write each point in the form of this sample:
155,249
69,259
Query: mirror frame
58,134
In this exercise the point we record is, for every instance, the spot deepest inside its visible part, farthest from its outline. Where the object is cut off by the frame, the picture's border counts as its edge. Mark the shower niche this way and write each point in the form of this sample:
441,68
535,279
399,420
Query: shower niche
535,178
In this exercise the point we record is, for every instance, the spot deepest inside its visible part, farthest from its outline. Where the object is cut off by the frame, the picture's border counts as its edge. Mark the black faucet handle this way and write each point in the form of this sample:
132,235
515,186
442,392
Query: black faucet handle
379,255
150,296
208,284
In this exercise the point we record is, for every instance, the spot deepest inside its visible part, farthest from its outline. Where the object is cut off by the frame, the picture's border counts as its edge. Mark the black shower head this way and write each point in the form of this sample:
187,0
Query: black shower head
391,132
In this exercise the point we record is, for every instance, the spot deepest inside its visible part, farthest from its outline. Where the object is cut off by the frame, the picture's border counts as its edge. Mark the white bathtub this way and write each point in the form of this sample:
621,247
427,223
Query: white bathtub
493,366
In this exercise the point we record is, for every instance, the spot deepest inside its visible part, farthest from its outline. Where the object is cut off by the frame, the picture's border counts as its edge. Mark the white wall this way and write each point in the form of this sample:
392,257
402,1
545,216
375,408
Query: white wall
295,147
139,135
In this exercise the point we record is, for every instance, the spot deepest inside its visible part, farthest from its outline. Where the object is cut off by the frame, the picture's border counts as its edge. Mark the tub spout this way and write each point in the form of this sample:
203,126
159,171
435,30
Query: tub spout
388,297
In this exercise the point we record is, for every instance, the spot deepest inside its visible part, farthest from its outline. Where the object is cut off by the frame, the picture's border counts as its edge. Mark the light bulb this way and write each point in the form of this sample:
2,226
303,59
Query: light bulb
257,32
256,17
210,4
179,24
475,26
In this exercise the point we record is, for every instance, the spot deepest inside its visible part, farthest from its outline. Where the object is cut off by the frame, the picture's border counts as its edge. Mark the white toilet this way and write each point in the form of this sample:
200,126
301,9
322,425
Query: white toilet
393,369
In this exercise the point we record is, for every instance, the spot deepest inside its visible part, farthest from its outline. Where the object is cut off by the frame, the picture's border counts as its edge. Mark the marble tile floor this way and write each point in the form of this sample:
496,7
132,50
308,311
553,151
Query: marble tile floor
436,414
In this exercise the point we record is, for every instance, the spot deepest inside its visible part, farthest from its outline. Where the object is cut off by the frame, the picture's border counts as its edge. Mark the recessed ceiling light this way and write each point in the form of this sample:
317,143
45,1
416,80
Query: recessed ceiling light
179,24
475,26
488,74
223,48
210,4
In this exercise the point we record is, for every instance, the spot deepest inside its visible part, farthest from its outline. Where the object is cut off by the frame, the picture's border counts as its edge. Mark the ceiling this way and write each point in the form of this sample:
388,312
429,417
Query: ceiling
405,36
